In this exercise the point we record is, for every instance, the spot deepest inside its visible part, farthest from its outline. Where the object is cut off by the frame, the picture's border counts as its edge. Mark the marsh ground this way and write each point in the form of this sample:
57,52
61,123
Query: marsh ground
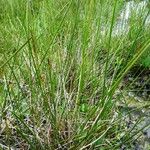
74,74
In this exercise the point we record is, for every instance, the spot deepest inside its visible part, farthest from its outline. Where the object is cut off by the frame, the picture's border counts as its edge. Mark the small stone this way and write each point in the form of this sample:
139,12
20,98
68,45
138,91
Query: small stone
131,94
123,147
130,79
138,98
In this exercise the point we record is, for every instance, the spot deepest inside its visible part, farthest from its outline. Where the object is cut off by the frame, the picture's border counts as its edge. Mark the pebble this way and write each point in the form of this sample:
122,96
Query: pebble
131,94
139,99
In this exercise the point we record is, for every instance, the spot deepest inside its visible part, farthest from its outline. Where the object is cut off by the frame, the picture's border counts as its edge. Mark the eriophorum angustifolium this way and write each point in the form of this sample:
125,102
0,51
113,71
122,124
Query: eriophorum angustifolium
68,74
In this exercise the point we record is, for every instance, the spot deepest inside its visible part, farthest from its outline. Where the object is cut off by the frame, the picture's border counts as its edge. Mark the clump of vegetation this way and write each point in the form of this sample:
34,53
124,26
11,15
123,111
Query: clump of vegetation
61,65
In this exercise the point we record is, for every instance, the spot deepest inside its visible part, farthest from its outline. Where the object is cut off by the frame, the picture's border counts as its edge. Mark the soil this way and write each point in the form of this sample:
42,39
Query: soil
135,91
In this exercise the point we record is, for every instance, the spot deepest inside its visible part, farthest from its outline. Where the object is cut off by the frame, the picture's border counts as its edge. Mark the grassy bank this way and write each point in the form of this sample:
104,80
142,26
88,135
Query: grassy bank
60,65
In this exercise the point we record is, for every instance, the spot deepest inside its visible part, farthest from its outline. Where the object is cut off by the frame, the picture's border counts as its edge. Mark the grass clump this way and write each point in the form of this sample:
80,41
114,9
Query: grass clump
61,64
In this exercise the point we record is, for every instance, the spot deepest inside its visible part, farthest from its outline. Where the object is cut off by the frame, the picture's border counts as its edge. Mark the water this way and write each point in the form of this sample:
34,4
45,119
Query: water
122,26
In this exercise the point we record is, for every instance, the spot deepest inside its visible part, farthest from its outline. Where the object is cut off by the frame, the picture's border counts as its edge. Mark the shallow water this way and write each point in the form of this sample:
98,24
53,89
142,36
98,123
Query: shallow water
122,26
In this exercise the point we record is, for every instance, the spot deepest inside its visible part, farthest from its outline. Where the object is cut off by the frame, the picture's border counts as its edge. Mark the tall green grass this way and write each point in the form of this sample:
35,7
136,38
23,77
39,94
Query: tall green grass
59,73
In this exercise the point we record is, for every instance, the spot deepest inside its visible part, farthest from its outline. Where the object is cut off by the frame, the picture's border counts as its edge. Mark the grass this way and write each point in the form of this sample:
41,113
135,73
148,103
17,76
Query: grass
59,73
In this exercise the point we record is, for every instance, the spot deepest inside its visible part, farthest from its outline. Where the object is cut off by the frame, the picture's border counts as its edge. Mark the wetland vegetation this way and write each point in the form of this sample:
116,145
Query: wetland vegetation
74,74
